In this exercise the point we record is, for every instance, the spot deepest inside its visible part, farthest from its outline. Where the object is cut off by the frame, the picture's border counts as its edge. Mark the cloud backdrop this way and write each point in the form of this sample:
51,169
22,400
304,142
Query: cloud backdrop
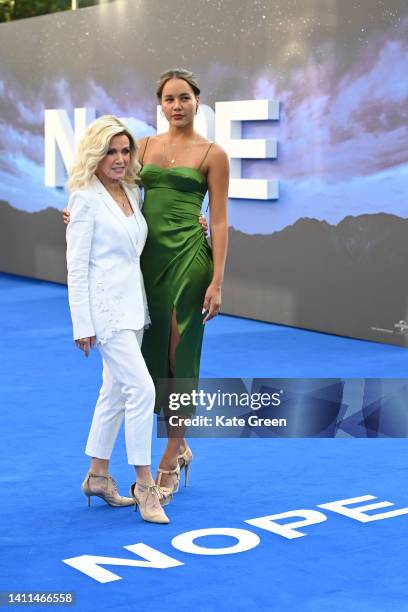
343,128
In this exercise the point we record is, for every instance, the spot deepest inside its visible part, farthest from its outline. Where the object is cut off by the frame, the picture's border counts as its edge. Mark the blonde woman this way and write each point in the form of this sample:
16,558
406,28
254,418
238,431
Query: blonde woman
183,275
105,239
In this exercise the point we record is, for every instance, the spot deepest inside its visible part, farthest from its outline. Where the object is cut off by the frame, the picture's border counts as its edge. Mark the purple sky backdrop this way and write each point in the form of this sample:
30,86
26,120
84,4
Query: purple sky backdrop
342,137
342,146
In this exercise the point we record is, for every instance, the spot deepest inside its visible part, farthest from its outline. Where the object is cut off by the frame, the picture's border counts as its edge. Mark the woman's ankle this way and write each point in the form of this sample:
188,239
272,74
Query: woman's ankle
168,465
143,482
98,474
144,474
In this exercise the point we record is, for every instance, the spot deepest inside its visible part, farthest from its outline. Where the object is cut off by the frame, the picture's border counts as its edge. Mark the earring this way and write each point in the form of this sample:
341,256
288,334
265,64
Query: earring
198,110
162,114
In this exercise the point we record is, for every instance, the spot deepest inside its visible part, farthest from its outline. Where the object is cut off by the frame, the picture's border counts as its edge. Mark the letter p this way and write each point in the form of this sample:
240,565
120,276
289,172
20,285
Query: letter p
288,530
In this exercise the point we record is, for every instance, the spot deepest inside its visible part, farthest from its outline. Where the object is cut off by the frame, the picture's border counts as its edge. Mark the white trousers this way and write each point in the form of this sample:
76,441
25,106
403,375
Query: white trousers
128,393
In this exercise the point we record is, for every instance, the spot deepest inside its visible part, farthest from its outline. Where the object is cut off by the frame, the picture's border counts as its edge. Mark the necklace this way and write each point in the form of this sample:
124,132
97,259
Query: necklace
171,159
122,201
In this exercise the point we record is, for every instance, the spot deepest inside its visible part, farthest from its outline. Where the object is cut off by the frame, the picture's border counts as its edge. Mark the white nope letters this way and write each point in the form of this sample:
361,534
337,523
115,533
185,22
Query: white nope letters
60,142
223,126
90,565
228,133
245,540
288,530
185,541
359,513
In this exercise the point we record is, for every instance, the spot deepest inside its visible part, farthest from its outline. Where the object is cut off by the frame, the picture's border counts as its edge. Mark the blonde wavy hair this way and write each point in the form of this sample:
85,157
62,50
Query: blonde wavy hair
94,146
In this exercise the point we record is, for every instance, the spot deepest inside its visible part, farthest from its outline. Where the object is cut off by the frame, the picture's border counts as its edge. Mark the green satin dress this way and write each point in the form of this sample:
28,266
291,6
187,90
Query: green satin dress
177,269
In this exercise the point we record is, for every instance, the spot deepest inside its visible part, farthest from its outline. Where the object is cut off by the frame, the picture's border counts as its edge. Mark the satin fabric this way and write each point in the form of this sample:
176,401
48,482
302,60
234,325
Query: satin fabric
177,268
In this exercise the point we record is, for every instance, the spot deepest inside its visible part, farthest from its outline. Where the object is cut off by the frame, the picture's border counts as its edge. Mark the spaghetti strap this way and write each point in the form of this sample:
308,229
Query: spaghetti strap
144,150
205,156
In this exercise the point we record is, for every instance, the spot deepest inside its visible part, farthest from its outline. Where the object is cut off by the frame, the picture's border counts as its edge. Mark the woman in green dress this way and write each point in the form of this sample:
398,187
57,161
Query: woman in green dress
183,276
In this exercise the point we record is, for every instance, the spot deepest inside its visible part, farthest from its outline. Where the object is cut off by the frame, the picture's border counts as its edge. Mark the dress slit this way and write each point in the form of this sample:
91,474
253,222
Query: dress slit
177,268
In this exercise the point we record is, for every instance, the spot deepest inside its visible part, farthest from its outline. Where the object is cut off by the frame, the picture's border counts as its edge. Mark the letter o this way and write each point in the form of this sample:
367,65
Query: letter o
246,541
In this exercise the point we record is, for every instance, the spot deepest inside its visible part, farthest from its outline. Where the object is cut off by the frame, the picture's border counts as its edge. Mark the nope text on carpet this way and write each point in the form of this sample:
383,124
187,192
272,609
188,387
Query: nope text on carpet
244,539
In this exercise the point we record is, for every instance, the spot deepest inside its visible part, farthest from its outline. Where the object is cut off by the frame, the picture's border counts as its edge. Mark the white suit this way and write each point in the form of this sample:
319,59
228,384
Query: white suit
107,300
106,291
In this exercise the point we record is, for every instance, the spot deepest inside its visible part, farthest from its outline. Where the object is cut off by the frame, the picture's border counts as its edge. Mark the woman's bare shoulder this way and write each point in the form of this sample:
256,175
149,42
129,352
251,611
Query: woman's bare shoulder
217,153
141,143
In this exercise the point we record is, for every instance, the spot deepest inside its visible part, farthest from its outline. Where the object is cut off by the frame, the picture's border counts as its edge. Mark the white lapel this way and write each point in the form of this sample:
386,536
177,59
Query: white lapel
133,201
114,208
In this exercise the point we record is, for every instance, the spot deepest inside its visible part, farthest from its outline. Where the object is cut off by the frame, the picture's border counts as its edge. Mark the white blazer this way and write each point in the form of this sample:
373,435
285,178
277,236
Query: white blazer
105,283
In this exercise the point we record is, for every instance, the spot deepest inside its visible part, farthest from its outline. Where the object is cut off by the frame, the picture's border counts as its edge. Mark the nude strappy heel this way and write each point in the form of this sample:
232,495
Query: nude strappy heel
106,490
168,491
163,497
184,461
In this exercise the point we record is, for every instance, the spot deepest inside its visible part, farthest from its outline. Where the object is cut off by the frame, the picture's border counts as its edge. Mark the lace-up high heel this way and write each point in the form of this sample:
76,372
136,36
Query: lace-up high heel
106,488
163,497
146,497
168,491
184,461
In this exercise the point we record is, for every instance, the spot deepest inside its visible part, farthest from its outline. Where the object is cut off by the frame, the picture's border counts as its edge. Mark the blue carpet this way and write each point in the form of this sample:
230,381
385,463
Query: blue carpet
47,395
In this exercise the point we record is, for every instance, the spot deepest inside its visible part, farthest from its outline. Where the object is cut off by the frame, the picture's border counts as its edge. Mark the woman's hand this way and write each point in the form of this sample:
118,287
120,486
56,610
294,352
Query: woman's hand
84,344
204,225
66,215
212,302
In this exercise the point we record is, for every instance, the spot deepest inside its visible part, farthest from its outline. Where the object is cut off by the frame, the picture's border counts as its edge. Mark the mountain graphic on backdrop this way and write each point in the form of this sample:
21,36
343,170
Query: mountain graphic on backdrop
40,238
348,279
